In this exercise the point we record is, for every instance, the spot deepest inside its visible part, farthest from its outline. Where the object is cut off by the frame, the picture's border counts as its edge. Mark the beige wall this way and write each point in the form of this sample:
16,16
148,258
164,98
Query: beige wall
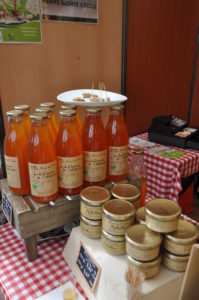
71,56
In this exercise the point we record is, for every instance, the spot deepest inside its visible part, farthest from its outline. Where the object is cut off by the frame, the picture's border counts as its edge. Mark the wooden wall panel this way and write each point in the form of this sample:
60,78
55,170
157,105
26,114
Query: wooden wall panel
71,56
160,54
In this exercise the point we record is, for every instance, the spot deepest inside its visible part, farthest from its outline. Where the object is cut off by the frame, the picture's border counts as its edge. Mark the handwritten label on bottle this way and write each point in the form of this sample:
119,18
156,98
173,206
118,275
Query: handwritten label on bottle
12,169
70,171
95,165
88,267
118,160
43,179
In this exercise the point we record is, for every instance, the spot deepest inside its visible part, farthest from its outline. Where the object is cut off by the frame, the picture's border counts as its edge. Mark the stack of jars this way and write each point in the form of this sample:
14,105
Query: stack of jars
92,200
159,221
50,157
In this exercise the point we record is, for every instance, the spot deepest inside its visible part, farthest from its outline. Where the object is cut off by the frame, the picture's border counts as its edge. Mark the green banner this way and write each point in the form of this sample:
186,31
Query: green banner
20,21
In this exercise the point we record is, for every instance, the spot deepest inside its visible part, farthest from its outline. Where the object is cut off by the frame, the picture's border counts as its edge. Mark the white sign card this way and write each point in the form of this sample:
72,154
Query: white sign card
70,10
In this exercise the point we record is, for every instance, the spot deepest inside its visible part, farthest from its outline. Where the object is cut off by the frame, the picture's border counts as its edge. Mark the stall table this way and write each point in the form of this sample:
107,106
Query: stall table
164,174
23,280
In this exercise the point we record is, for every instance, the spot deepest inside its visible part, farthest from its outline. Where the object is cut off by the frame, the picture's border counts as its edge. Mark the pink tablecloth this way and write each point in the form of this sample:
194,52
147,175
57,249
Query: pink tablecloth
23,280
164,174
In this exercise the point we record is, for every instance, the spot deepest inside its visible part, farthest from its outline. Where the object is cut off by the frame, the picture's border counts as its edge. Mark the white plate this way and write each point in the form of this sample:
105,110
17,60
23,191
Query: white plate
57,294
68,97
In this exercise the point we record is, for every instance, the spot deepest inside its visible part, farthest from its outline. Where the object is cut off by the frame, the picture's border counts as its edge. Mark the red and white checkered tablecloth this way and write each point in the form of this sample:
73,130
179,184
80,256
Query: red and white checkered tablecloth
23,280
164,174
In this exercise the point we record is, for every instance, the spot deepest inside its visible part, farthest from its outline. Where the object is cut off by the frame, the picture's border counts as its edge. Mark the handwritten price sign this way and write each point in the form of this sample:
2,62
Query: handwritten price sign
88,267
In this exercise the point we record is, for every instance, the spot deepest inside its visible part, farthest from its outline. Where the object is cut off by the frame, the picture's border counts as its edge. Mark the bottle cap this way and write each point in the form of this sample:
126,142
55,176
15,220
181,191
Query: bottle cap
22,107
67,113
14,113
137,150
38,116
93,109
117,107
45,110
68,106
47,104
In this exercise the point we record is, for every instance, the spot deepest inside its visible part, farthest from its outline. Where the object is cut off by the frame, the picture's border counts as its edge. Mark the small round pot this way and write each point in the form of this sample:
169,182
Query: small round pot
92,200
142,243
149,269
91,228
162,215
181,240
118,215
114,244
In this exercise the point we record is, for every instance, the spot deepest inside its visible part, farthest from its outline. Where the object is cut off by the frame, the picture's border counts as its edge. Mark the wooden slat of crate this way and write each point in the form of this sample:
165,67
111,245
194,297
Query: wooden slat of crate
31,218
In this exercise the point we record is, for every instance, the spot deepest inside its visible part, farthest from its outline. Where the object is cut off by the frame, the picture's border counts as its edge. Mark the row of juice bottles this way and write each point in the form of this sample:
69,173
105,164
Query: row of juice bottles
43,156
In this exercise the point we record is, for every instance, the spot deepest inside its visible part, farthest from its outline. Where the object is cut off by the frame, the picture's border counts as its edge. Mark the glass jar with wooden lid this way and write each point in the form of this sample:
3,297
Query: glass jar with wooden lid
142,243
118,215
114,244
126,191
148,268
162,215
91,228
92,200
174,262
181,240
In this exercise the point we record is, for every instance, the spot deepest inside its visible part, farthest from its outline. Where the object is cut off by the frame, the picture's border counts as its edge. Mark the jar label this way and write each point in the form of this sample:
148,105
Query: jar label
12,169
118,160
70,171
43,179
95,165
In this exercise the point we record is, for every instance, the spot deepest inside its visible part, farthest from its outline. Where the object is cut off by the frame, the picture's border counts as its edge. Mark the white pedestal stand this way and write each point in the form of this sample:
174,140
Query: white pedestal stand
111,285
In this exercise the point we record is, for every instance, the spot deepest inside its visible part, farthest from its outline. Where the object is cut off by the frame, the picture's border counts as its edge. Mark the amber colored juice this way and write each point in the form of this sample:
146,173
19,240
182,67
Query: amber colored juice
55,122
27,122
51,130
41,150
79,123
15,145
117,136
143,192
94,143
69,150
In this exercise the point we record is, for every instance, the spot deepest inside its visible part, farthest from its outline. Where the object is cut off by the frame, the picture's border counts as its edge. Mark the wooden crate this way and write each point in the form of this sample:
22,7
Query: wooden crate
31,218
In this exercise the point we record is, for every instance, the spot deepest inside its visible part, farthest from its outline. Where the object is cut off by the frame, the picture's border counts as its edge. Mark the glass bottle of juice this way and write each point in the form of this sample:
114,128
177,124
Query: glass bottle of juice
26,111
95,148
51,128
42,161
74,107
69,150
118,139
15,150
54,119
137,173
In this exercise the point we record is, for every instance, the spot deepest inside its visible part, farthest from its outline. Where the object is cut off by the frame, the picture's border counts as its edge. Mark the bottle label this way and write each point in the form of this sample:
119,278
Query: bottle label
70,171
95,165
12,169
118,160
43,179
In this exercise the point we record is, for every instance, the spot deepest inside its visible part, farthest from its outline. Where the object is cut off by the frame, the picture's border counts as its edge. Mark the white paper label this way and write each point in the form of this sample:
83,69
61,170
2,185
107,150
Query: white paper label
70,171
12,169
43,179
